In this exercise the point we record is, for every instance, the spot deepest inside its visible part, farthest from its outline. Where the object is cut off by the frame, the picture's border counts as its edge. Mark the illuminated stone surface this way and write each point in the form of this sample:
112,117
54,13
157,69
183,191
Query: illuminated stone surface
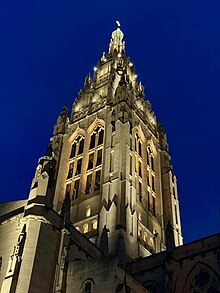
103,210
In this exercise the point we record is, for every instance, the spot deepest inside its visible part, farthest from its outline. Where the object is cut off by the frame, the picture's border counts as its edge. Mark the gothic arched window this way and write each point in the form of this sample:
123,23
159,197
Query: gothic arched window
75,165
138,167
145,237
88,287
151,182
139,232
85,228
94,225
202,278
94,165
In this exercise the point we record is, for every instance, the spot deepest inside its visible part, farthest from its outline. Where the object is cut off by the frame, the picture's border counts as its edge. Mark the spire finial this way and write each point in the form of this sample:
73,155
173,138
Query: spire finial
118,23
117,43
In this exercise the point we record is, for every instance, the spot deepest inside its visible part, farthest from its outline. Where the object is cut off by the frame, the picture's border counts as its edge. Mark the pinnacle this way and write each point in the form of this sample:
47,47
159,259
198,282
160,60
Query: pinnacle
117,43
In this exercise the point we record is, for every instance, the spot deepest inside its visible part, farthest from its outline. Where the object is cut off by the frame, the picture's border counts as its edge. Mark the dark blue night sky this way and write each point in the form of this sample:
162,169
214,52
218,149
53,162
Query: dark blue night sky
47,48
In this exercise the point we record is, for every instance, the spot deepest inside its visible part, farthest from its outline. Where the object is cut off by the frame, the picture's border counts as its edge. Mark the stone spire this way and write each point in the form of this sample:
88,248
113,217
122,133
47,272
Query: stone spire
117,44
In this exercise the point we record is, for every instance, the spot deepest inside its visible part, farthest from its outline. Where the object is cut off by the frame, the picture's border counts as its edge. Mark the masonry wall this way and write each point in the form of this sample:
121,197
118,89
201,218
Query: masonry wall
41,250
9,231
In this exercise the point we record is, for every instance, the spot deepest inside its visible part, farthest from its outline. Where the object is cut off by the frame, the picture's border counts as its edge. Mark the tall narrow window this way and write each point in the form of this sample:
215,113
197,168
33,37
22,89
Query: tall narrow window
81,145
153,183
78,166
92,141
0,263
138,166
76,189
95,160
99,157
174,191
94,225
70,173
148,160
75,164
139,232
130,164
97,180
68,188
139,149
154,206
88,211
88,287
148,200
88,183
73,151
140,169
140,191
91,159
85,228
101,136
152,163
148,178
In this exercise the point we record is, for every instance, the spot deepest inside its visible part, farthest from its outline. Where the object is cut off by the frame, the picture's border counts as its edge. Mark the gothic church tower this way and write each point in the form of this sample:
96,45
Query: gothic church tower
114,162
107,172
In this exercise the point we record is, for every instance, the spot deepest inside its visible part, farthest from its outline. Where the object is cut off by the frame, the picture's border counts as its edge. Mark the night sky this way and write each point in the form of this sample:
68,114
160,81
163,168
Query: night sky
47,48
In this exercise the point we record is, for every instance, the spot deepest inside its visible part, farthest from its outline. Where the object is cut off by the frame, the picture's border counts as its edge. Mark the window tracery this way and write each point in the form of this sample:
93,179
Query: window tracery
145,166
138,166
75,166
202,279
93,173
151,184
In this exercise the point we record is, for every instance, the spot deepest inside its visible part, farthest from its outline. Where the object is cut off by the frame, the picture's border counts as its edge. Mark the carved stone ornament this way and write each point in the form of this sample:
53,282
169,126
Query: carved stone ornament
104,241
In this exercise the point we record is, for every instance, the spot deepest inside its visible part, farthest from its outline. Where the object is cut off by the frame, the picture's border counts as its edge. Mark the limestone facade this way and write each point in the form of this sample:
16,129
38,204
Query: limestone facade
103,211
114,161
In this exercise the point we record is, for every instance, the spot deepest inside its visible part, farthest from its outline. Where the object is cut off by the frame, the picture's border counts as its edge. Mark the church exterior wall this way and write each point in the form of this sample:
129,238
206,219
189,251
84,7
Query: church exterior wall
8,237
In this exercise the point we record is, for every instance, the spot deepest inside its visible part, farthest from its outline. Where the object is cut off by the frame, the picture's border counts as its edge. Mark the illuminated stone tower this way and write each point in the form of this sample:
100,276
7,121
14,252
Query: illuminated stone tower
114,162
103,201
107,172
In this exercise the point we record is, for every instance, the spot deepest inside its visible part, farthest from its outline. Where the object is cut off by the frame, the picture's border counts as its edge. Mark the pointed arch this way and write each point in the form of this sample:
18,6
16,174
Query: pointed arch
76,133
139,131
94,124
203,277
151,145
94,158
87,285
